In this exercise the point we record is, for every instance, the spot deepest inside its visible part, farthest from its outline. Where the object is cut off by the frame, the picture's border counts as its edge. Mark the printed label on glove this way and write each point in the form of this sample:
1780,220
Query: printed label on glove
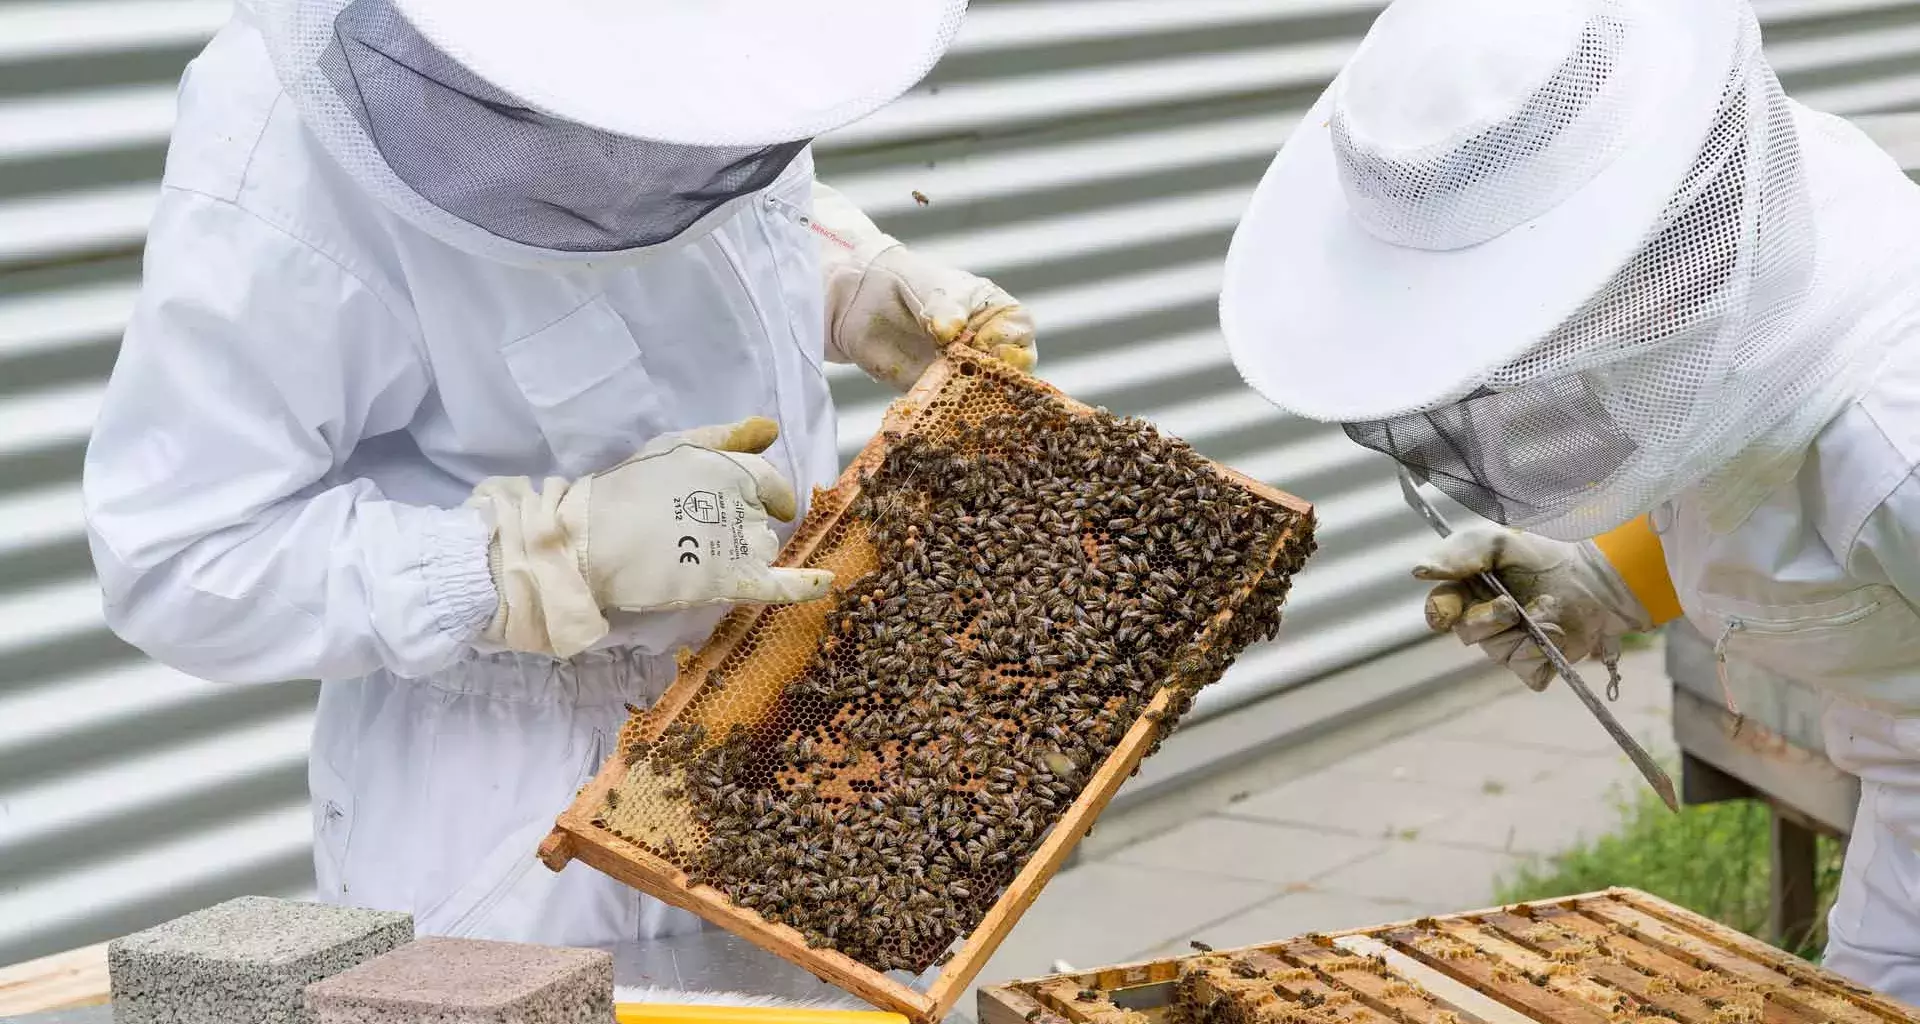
712,508
684,526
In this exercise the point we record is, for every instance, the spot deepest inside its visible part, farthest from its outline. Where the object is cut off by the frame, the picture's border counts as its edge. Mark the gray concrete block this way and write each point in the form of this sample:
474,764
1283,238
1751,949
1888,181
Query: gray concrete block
470,981
245,961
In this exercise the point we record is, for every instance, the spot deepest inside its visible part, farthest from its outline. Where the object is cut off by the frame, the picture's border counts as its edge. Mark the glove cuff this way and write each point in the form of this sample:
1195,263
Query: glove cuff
546,604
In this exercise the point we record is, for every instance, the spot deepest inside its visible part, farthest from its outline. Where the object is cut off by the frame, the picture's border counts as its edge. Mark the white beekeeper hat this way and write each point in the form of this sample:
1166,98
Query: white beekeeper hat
696,72
1476,173
583,130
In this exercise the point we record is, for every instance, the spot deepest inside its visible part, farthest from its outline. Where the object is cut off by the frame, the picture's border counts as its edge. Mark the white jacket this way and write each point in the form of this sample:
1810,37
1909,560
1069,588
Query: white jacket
308,390
1821,582
1821,585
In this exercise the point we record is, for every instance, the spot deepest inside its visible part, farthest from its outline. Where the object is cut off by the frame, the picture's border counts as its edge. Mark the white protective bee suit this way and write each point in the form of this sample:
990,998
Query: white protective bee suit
397,302
1639,305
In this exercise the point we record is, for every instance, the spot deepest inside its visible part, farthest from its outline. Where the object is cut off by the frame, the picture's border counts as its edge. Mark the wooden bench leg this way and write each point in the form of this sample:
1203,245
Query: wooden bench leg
1793,905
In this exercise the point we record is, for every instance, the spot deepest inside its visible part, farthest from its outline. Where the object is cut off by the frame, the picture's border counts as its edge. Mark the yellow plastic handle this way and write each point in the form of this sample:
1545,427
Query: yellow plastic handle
672,1013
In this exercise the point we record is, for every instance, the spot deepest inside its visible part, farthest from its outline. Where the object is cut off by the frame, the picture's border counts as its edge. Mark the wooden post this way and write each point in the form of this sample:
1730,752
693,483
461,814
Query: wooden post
1793,906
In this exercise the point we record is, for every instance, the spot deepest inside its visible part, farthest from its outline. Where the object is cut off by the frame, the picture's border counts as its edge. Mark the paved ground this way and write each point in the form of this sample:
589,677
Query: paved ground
1423,822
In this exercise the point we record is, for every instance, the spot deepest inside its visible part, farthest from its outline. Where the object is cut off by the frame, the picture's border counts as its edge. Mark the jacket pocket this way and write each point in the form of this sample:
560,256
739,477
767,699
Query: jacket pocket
1864,643
588,389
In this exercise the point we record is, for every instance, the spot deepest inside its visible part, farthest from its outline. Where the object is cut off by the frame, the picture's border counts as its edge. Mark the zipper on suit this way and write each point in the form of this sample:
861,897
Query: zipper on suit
767,327
1737,625
1720,669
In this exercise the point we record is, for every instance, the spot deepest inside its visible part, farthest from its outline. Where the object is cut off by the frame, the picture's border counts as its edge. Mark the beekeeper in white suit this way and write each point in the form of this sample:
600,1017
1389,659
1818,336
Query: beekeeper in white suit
1582,265
424,277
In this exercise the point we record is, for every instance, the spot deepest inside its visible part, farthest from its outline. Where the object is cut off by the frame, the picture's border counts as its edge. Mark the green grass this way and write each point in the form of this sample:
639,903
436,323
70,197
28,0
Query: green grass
1638,641
1711,859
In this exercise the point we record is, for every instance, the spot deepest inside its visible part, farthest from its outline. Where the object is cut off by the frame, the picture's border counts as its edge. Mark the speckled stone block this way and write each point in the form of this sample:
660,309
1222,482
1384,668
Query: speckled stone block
470,981
245,961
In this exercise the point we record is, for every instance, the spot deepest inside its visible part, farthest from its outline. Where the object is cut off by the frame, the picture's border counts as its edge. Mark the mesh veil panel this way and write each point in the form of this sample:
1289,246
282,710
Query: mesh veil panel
1509,456
1468,189
1576,429
480,155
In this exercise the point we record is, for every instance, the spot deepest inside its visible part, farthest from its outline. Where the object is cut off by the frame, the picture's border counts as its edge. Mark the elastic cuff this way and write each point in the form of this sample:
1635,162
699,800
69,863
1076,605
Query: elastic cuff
1635,554
459,583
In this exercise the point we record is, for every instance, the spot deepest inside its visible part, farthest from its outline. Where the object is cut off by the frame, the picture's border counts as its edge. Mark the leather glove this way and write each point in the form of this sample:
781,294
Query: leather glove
891,311
681,524
1570,589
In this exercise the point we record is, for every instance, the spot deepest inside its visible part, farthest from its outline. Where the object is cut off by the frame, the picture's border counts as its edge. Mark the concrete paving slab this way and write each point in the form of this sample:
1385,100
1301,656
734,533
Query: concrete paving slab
1357,804
1252,850
1467,765
1557,720
1580,801
1425,873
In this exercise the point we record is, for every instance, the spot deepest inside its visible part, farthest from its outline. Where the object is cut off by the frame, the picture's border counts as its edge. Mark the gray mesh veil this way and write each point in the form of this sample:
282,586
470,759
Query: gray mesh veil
482,156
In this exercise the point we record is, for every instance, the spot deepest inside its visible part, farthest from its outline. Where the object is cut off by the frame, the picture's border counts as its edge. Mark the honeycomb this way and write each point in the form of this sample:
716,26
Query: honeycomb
1618,957
1017,579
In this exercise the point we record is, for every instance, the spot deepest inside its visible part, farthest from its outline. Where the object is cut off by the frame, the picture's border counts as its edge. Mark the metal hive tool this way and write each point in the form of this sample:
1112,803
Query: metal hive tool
747,717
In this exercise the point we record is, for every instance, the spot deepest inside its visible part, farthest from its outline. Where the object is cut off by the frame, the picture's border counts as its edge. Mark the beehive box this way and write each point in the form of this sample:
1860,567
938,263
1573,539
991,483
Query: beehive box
1615,957
923,750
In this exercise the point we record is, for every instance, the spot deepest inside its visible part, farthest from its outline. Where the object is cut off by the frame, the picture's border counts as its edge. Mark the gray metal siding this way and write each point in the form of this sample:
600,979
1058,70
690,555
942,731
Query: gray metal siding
1091,155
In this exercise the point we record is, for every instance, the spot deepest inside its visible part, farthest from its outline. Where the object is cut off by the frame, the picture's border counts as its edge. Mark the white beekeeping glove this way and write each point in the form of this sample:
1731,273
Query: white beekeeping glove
890,311
1570,589
681,524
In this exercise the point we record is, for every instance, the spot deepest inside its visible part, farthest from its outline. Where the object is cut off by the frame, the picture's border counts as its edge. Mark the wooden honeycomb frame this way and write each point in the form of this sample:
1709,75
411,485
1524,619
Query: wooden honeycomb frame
1615,957
577,837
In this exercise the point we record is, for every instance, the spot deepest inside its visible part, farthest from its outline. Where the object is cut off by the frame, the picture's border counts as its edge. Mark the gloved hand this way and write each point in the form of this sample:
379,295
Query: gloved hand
681,524
1570,589
891,311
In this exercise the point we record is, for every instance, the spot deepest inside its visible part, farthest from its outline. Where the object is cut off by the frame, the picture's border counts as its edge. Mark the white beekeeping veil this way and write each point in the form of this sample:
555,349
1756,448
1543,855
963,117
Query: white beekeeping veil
580,129
1570,258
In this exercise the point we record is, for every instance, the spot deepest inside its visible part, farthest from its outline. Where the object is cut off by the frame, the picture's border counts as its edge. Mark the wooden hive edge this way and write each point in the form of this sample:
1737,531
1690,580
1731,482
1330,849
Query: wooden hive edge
1777,959
1145,968
1007,1002
575,837
640,869
1045,861
73,980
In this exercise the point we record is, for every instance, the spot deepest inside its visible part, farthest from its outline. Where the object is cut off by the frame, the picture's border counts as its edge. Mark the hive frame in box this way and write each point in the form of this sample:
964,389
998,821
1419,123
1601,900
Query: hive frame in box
1145,988
575,837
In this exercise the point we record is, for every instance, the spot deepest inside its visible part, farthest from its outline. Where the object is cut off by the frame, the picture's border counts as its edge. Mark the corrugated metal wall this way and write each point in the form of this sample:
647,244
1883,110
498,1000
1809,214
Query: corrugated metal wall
1091,155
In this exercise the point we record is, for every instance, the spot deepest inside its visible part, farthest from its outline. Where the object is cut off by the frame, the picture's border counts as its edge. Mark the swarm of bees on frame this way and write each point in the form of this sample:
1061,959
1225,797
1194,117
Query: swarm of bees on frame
1043,577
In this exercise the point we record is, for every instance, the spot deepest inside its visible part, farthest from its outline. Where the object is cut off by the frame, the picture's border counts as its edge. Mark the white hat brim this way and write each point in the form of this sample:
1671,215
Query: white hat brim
696,72
1333,324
